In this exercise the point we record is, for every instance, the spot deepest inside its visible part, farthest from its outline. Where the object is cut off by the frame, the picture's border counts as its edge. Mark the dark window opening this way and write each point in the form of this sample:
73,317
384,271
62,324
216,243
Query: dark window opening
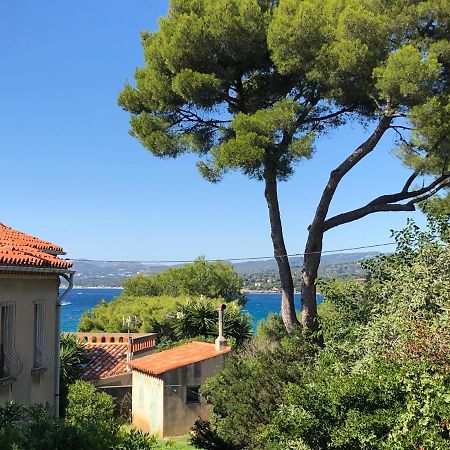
3,368
6,330
192,394
38,349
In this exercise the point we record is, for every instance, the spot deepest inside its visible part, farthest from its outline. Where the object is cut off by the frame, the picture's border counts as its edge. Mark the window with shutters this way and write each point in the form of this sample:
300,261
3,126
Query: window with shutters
6,339
38,345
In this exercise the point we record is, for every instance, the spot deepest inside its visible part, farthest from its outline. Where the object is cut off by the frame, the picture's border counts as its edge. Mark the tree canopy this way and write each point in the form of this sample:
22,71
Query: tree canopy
249,81
249,85
202,278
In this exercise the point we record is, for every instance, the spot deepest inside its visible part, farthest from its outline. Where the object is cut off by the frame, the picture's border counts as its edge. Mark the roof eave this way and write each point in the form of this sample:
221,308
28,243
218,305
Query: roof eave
35,269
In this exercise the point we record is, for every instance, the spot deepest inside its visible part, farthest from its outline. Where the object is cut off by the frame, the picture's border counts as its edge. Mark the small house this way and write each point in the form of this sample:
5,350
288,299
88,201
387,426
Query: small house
30,302
166,399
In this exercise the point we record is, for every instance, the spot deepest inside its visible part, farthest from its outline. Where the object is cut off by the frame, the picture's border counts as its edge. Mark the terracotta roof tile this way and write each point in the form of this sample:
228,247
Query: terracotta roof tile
21,249
105,360
158,363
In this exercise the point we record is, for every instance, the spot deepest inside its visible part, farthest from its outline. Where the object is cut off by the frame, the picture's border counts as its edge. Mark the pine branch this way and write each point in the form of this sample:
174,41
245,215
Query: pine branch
389,202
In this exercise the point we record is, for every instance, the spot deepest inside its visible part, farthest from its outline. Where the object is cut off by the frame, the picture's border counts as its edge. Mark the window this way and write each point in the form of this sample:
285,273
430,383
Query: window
192,394
6,339
38,346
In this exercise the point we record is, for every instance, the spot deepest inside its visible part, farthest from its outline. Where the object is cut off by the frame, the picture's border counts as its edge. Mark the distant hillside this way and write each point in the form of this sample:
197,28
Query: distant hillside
270,264
106,273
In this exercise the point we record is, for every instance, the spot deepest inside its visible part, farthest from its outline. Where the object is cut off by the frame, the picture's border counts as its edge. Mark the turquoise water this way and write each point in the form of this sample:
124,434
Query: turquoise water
80,300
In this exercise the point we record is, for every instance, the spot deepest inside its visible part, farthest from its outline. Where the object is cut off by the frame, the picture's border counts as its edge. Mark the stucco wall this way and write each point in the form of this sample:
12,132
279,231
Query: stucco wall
147,403
23,290
179,416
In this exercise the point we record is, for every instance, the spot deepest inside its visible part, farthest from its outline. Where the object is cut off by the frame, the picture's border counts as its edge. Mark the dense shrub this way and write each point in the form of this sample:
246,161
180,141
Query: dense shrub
390,405
202,436
248,391
381,382
72,356
151,313
35,428
134,440
92,413
89,425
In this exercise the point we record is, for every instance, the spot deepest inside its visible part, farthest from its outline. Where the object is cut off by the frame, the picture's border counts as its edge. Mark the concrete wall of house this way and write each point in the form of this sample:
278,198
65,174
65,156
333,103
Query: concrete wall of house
23,291
147,403
178,415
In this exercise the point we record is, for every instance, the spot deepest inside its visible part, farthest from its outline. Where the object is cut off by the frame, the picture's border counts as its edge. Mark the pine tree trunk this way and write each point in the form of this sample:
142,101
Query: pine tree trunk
317,228
310,270
287,285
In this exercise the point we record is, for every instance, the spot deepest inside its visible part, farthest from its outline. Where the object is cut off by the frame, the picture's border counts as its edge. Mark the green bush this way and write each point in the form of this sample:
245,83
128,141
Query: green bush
390,405
209,279
134,440
89,425
92,413
72,356
248,391
35,428
202,436
271,329
152,314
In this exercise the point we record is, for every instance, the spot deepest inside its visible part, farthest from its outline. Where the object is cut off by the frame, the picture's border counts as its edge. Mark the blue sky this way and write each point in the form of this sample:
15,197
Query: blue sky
72,174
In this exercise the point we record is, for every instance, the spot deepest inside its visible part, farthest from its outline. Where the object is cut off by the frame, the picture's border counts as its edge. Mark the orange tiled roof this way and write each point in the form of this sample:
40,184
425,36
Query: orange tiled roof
186,354
21,249
105,360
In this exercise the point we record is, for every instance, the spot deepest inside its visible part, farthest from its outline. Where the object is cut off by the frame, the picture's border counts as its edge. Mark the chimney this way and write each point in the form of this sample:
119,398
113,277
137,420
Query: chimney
221,342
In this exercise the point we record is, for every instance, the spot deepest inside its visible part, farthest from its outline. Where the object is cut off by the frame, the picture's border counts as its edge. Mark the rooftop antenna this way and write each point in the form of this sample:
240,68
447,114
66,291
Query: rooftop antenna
129,322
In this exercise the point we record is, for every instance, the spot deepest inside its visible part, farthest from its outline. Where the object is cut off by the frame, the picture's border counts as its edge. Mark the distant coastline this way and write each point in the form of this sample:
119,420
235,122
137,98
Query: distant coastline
260,291
243,291
97,287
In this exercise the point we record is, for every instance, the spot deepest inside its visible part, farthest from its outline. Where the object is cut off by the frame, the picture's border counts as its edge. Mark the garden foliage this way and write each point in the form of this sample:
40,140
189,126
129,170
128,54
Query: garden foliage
382,380
89,425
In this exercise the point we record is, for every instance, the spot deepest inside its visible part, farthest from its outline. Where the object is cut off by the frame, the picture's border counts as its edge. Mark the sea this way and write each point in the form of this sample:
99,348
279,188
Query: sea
259,305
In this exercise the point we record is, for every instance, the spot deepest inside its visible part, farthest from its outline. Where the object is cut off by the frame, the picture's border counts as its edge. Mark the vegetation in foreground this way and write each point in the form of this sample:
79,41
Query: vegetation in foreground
174,443
381,381
89,424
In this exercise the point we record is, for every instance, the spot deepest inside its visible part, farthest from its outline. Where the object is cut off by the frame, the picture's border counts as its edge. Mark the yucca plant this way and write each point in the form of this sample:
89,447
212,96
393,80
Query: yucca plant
72,356
199,317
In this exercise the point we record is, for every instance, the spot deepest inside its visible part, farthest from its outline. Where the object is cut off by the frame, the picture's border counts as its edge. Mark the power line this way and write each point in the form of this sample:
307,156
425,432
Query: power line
251,258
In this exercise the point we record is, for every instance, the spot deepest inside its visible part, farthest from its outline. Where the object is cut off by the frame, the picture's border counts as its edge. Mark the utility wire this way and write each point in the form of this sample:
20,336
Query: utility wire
252,258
